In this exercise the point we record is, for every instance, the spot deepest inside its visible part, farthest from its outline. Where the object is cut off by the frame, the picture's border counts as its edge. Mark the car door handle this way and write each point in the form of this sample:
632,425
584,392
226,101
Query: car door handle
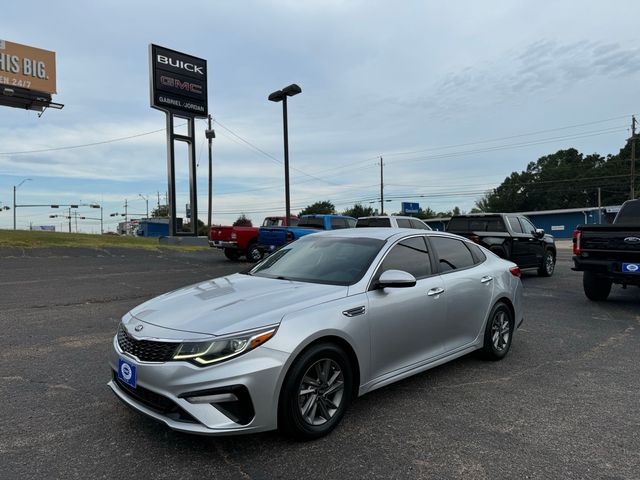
486,279
435,291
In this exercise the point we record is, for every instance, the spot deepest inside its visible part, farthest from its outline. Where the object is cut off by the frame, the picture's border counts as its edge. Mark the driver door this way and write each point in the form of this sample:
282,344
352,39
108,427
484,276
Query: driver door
402,319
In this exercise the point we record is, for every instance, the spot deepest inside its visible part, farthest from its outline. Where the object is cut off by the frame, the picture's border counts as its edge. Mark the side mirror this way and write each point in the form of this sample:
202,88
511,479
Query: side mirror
539,232
396,279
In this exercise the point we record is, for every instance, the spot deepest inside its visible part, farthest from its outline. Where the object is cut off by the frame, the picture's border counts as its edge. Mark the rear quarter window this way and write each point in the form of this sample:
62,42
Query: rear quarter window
373,222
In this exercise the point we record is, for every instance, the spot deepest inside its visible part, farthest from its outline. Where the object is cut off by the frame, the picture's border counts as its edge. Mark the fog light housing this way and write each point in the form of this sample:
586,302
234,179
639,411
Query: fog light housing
233,401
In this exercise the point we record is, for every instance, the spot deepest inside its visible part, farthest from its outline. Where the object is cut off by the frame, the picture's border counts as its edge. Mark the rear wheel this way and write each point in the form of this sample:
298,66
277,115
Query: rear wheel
316,392
548,265
253,253
232,254
498,333
596,288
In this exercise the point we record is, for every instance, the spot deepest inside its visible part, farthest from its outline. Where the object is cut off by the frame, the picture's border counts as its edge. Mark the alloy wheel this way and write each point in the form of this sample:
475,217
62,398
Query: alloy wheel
550,264
321,392
500,331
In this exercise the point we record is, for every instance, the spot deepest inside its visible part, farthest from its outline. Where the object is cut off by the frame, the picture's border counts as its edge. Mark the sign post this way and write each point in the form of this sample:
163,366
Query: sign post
179,88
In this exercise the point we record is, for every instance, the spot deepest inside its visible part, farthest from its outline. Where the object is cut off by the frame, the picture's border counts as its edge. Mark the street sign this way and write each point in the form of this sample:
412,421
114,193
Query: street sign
178,82
408,207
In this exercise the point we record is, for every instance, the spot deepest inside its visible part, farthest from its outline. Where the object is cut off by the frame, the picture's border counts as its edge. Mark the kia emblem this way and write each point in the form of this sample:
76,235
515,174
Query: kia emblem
139,328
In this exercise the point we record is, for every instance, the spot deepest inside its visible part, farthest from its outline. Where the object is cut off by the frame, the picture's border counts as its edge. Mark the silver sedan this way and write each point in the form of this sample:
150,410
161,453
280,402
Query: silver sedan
332,316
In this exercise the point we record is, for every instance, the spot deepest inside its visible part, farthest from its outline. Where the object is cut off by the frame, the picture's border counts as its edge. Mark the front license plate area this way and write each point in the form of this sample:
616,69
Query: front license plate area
127,373
631,268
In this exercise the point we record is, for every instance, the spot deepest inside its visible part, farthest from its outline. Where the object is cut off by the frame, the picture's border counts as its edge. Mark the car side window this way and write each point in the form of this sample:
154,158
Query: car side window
403,223
527,226
515,224
452,254
476,251
417,224
410,255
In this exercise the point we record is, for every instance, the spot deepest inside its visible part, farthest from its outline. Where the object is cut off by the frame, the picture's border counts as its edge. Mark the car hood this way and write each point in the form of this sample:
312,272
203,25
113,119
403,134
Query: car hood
232,304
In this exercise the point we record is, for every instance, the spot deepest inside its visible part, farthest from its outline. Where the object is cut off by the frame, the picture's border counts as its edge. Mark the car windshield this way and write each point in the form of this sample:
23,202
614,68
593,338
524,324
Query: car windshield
329,260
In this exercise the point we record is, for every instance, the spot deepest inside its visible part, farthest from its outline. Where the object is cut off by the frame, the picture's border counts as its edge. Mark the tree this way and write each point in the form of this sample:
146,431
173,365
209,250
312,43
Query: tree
324,207
565,179
161,211
358,211
243,221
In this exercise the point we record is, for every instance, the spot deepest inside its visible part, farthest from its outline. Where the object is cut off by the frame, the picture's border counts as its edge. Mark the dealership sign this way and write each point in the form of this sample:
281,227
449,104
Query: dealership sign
178,82
27,68
409,207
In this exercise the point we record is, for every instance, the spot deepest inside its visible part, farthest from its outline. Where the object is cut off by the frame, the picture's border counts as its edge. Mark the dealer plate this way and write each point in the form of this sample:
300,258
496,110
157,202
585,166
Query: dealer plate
127,373
631,267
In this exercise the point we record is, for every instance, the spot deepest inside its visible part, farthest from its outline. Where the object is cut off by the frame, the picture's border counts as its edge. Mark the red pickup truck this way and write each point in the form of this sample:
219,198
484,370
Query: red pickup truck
243,241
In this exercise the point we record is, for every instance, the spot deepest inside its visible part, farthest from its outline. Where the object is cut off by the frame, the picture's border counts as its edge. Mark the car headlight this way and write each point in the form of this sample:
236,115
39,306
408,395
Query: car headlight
206,353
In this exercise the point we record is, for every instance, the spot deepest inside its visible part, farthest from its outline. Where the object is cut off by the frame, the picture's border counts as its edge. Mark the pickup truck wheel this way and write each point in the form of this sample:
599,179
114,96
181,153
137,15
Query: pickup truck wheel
596,288
232,254
548,264
253,253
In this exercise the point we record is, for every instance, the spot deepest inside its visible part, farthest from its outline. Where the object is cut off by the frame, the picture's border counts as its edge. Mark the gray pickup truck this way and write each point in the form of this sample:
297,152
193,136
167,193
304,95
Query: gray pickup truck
608,254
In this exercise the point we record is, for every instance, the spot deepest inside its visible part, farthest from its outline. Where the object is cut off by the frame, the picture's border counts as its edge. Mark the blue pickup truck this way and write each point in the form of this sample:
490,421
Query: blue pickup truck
271,238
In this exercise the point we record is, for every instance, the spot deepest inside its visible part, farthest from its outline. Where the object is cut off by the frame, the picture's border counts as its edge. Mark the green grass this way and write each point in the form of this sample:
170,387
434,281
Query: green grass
29,239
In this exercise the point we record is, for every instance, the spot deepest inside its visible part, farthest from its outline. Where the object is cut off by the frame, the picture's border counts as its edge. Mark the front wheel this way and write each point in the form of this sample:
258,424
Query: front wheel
316,392
499,333
596,288
232,254
548,265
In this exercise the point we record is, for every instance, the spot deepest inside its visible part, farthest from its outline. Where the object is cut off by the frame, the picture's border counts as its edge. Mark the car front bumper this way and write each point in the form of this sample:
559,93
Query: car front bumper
162,386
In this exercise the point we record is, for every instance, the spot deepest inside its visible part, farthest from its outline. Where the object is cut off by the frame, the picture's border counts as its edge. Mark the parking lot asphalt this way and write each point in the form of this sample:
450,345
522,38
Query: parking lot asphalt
563,404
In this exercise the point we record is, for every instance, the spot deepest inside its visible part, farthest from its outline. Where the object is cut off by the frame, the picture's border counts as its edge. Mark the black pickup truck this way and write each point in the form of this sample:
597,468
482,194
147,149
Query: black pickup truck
609,254
510,236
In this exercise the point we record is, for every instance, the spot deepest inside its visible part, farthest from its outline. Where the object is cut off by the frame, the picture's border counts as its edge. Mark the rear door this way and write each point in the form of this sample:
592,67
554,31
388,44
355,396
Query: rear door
521,252
468,290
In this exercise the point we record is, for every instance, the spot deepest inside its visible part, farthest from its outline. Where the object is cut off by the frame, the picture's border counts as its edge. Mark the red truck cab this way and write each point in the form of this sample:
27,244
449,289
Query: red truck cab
238,241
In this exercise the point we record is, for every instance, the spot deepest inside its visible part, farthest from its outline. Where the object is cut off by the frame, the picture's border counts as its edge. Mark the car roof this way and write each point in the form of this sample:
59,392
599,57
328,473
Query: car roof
384,233
391,216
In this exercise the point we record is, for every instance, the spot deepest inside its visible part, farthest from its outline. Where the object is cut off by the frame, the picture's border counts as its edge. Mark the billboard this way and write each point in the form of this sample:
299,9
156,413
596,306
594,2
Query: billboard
27,67
408,207
178,82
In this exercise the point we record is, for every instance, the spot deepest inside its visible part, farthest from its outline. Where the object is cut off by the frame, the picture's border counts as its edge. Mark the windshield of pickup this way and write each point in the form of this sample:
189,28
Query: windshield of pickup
328,260
629,214
476,224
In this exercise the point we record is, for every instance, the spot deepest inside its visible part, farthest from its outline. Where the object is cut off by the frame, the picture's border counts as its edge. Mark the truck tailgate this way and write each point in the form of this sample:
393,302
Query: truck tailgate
220,233
610,238
271,237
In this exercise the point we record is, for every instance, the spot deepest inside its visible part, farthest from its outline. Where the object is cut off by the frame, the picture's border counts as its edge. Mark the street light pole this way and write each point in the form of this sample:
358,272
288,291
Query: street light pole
210,134
14,199
281,96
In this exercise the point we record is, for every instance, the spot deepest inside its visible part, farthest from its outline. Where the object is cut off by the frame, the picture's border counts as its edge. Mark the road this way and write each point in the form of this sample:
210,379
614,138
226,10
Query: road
563,404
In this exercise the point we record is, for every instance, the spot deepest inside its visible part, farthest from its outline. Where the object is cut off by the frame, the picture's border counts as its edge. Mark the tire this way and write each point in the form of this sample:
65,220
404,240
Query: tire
498,333
596,288
319,369
253,253
548,264
232,254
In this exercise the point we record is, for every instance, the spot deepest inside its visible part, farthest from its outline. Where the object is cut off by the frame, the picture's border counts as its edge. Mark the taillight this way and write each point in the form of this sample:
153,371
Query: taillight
577,236
515,271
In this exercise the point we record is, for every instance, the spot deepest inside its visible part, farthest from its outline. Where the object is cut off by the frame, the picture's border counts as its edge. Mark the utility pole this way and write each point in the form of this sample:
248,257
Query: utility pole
381,186
158,198
126,215
633,157
599,205
69,217
210,134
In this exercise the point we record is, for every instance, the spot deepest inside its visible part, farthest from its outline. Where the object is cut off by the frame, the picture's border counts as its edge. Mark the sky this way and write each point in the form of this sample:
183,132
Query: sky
454,96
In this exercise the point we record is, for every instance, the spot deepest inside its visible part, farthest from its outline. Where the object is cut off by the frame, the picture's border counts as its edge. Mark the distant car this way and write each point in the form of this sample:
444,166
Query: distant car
323,320
238,241
510,236
393,221
272,238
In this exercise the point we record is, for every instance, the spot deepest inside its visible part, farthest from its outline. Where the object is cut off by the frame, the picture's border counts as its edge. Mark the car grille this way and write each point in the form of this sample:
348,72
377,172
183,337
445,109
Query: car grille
145,350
